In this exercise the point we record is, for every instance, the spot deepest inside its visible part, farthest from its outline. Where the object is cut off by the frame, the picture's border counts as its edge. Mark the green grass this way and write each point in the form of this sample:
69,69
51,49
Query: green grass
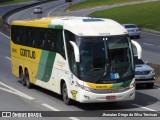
96,3
146,15
4,2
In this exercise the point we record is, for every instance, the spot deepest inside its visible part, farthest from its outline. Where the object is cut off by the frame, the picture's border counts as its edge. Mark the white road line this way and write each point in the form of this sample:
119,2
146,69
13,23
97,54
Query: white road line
54,109
144,107
148,44
50,107
8,21
150,33
7,90
17,92
59,7
8,58
5,35
55,9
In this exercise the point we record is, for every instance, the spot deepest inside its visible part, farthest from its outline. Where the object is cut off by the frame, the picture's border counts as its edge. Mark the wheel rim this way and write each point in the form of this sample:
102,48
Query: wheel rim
65,95
22,79
27,81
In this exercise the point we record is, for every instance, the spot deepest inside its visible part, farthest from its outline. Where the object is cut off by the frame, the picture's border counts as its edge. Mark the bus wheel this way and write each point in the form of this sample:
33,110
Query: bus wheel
66,99
26,79
21,77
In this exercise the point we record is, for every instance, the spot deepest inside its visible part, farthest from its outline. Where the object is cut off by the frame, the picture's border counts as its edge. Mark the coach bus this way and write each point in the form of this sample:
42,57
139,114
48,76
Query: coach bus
81,58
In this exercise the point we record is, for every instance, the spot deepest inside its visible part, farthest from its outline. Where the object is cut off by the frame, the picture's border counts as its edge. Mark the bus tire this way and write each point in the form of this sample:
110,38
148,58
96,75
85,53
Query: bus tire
66,99
21,77
26,78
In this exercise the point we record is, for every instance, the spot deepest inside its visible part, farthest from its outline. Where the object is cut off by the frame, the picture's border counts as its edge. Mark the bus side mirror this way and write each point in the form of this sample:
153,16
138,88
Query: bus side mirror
139,48
76,51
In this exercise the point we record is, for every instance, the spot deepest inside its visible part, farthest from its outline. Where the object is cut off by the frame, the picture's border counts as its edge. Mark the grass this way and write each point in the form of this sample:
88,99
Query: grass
146,15
4,2
157,70
96,3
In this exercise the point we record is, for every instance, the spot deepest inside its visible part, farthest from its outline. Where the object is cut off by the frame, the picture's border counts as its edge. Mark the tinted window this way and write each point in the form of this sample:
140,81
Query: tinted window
130,26
42,38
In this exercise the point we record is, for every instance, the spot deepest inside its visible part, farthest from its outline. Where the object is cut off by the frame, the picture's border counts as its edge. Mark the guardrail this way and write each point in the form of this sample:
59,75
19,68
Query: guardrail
5,16
5,27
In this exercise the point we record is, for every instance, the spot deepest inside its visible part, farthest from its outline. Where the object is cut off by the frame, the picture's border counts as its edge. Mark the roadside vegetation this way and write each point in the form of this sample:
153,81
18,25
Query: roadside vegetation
96,3
146,15
157,70
3,2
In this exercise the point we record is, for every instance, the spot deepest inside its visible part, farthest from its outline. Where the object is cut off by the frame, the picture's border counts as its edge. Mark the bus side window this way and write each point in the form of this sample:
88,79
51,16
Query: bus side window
71,37
60,43
41,38
49,40
14,33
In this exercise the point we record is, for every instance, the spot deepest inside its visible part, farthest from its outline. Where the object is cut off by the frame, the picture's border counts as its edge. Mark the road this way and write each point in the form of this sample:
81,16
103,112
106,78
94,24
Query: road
15,97
5,8
150,43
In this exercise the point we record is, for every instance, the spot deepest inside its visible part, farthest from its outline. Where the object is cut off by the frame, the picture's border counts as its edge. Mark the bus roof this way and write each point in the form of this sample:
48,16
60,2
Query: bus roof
81,26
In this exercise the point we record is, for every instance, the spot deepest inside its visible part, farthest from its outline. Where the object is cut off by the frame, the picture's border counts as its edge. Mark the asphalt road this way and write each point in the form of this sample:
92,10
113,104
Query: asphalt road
150,43
15,97
5,8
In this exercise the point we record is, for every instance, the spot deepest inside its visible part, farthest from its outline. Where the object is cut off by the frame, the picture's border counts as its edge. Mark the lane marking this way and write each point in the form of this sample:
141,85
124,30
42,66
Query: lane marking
8,58
148,44
56,8
7,90
16,91
54,109
144,107
5,35
60,6
8,21
150,33
50,107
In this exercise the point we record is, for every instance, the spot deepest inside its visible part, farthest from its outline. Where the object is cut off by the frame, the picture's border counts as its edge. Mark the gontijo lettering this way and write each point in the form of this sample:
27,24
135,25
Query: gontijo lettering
28,53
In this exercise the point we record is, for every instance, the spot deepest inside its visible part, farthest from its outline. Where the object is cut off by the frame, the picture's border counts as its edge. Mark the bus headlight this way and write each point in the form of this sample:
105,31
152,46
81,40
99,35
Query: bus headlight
84,87
131,86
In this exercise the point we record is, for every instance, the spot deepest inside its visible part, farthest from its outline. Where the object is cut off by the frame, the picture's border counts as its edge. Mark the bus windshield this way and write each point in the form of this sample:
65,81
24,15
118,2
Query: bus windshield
105,59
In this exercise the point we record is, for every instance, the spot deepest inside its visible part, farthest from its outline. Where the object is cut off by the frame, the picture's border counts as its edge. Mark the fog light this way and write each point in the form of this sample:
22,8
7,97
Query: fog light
131,94
87,97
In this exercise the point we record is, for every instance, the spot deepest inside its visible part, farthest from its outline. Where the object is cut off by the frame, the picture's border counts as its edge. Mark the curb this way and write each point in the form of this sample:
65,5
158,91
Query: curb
150,31
5,16
157,84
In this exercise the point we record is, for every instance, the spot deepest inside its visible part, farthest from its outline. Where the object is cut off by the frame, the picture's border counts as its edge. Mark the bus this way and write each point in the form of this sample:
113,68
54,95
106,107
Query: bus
81,58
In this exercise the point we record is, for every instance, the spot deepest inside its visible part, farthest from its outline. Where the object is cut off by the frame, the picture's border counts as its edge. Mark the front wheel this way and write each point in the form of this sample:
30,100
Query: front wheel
66,99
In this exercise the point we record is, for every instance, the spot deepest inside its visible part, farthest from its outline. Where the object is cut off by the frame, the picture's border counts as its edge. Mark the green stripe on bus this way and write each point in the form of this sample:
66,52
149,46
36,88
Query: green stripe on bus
42,64
127,83
55,26
122,84
49,66
116,85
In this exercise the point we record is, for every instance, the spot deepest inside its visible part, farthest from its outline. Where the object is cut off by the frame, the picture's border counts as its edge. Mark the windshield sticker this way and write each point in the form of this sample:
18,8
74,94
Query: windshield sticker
114,76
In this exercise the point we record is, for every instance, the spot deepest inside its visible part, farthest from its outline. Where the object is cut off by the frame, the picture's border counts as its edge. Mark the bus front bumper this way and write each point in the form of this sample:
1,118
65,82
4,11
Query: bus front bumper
90,97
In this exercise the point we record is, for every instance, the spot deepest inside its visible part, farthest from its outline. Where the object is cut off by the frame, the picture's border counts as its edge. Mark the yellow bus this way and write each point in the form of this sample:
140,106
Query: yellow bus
81,58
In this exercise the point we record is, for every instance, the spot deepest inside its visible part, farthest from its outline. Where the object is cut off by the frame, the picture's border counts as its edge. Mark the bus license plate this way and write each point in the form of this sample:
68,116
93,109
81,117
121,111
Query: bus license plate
110,97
